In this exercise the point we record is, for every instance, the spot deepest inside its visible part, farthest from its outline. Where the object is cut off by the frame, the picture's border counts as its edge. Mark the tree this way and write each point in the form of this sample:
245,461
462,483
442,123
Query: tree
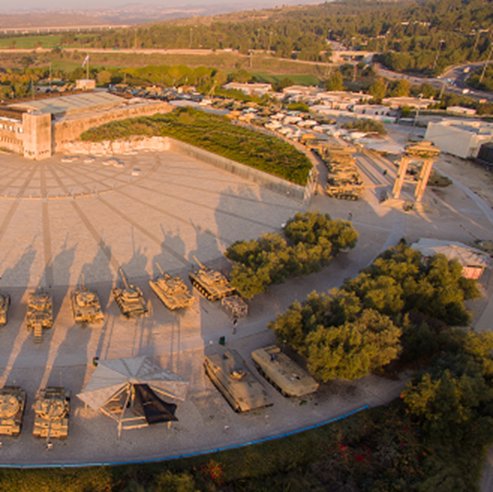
402,88
335,82
378,89
353,350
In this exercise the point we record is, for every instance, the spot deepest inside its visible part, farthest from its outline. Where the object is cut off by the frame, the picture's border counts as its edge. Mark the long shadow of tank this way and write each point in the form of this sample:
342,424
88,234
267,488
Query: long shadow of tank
96,276
11,335
38,355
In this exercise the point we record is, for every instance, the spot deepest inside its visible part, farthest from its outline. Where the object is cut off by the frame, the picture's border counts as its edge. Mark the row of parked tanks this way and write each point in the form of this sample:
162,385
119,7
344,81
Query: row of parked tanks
51,412
170,290
230,374
343,180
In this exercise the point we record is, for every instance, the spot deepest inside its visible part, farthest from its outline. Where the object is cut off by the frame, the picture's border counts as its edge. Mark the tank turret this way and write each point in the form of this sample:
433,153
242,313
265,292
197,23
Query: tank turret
213,285
12,405
235,306
51,413
229,373
171,291
283,372
39,314
86,306
130,299
4,309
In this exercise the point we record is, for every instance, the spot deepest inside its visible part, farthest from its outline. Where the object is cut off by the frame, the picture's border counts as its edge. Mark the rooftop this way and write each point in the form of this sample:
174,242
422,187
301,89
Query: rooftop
62,105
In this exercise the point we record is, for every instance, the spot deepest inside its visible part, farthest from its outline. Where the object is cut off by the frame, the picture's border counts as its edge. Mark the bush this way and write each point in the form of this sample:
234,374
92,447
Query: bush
366,125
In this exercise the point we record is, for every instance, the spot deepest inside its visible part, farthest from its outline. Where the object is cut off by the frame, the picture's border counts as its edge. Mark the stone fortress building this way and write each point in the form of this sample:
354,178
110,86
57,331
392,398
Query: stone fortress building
39,128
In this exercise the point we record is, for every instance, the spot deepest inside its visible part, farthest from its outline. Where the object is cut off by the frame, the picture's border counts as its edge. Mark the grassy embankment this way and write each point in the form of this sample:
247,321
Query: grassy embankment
377,450
215,134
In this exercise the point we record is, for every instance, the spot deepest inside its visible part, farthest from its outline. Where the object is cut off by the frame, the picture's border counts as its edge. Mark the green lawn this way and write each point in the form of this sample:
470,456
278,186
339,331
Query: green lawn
31,42
215,134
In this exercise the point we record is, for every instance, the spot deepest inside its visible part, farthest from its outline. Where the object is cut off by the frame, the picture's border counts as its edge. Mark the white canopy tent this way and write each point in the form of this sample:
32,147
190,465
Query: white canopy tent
117,386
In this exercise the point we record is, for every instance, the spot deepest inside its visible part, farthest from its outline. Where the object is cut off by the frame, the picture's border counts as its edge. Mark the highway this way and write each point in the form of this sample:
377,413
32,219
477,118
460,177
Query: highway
453,79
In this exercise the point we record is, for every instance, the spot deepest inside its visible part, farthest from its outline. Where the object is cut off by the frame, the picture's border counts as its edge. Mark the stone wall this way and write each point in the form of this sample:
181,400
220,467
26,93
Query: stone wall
278,185
11,136
70,129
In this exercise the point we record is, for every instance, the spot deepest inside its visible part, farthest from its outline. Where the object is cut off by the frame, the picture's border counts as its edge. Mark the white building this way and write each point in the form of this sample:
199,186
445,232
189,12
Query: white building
461,138
461,110
249,89
473,261
341,99
408,102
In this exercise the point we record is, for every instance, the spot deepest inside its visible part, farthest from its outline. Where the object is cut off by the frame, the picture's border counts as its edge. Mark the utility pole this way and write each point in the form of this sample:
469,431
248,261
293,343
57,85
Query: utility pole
442,41
486,65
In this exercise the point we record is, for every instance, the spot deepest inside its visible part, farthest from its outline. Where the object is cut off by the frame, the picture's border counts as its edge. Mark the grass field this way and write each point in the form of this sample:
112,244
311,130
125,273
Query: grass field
31,42
215,134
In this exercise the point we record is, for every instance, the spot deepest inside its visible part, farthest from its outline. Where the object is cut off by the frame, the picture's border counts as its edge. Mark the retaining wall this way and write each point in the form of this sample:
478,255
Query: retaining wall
273,183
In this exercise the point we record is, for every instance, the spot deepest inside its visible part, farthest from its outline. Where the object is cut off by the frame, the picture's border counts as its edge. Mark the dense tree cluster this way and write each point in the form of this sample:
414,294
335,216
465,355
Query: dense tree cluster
309,241
400,301
413,36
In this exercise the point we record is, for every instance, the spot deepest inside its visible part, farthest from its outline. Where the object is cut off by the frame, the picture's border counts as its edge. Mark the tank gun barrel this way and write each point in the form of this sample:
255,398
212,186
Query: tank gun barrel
199,263
159,268
124,278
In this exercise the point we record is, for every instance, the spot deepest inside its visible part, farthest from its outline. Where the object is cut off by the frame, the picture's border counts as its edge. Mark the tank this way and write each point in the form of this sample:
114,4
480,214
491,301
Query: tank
213,285
51,413
343,192
171,291
12,405
39,314
4,309
229,373
130,299
235,306
283,372
86,306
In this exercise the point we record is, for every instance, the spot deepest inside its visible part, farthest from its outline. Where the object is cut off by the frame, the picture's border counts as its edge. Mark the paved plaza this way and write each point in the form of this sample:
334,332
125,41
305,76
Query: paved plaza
64,221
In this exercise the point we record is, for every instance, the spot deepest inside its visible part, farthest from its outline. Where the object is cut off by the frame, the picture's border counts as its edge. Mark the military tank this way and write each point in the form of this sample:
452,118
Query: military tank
51,413
86,306
39,314
4,309
229,373
171,291
235,306
12,405
283,372
213,285
130,299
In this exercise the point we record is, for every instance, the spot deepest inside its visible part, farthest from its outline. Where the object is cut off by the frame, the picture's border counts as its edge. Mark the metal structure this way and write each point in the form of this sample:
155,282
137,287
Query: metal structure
229,373
86,306
51,413
235,306
12,405
132,391
213,285
283,372
39,314
130,299
171,291
424,154
4,309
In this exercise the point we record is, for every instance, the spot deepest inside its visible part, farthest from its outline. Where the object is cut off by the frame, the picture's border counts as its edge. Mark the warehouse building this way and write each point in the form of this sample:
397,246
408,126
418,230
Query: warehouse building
461,138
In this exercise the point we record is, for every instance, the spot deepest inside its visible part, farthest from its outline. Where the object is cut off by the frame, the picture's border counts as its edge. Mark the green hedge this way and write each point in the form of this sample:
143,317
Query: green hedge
215,134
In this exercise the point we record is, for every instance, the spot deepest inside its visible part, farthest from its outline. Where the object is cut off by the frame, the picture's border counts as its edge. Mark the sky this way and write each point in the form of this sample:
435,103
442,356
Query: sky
6,5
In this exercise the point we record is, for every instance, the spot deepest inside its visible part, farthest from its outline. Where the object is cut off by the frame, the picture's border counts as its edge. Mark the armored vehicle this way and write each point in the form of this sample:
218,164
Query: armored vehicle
229,373
172,291
343,192
39,314
4,309
235,306
283,372
213,285
12,405
86,306
51,413
130,299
